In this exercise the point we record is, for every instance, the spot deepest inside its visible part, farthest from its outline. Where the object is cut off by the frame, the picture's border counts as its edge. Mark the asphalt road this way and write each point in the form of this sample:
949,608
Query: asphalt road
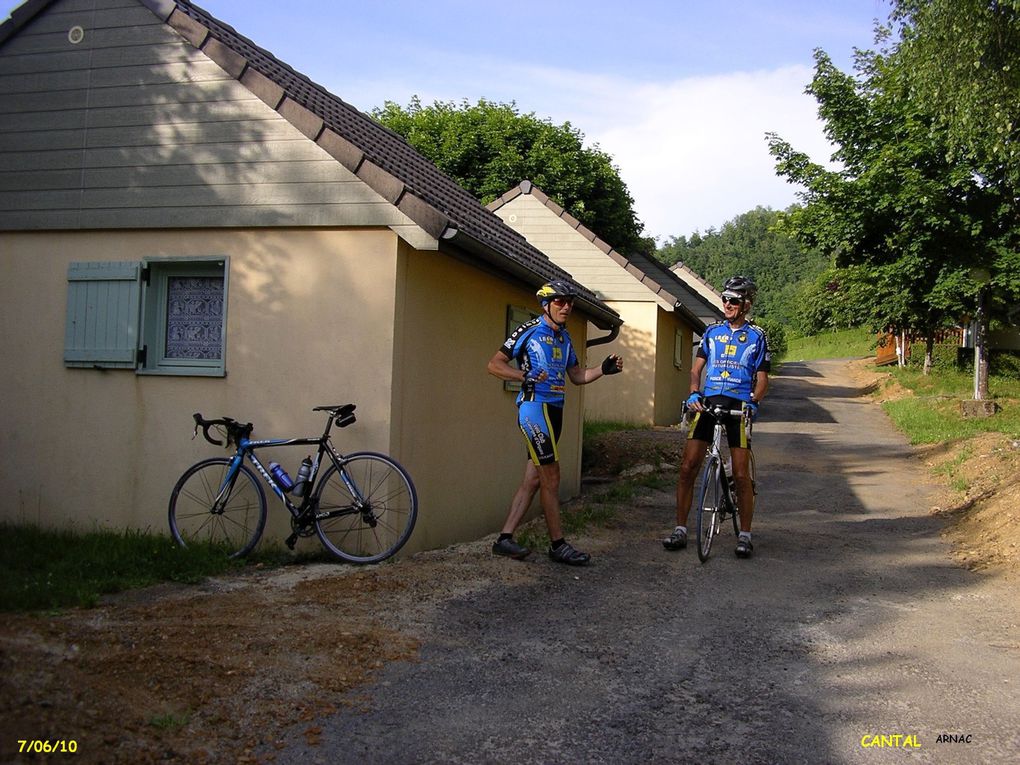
850,636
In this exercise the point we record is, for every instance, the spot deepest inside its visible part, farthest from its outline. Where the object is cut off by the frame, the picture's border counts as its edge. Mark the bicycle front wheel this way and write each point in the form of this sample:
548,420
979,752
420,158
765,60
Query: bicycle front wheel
709,506
206,508
365,511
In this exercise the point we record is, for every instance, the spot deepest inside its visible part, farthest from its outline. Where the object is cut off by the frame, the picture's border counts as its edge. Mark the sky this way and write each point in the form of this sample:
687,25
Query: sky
679,93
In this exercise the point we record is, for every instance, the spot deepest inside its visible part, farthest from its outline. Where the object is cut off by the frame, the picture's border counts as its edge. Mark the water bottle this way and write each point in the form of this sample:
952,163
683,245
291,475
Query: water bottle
280,476
303,473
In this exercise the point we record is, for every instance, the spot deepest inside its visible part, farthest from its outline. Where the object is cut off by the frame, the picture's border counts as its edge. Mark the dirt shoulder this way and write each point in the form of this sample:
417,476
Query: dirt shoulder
980,485
219,672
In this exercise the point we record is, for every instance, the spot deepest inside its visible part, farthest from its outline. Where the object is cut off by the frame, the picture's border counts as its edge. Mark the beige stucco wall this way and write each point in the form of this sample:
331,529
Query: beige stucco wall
309,322
652,387
459,425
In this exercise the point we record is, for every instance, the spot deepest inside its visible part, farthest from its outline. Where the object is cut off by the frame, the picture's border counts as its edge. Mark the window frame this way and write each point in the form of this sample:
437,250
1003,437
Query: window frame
156,273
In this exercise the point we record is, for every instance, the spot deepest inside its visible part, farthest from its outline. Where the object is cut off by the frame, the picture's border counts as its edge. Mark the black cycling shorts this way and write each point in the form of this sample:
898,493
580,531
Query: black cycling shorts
738,429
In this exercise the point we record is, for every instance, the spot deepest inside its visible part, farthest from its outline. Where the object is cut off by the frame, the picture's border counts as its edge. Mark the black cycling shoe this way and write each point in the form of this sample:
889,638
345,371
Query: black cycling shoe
567,554
744,548
675,541
510,549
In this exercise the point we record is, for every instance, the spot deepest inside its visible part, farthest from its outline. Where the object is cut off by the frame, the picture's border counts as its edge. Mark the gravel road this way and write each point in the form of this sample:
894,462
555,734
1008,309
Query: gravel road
850,636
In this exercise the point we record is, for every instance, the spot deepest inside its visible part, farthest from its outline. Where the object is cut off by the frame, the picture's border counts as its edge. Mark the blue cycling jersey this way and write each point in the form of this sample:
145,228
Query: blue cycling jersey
733,358
537,346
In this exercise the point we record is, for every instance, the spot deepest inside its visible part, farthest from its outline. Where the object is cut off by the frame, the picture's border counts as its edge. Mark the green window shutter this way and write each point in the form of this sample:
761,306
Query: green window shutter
103,303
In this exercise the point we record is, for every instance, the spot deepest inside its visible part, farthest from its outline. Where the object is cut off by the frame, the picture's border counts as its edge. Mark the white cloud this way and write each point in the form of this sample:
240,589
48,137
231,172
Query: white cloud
694,154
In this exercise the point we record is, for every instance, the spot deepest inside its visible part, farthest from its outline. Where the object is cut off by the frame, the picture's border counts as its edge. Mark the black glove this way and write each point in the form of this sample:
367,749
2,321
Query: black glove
611,365
528,385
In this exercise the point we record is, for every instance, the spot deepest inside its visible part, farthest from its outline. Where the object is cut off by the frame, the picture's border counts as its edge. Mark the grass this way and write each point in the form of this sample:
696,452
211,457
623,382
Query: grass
842,344
932,414
47,569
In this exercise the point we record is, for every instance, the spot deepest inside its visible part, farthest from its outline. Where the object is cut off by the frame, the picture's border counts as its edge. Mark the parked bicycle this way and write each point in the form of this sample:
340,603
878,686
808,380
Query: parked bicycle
363,507
718,498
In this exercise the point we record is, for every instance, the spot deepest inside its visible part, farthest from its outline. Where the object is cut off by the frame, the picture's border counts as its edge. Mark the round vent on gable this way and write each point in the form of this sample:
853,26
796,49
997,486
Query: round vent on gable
75,35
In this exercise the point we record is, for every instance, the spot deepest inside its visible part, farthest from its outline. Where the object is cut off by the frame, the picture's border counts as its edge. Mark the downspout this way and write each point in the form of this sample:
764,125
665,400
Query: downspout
613,334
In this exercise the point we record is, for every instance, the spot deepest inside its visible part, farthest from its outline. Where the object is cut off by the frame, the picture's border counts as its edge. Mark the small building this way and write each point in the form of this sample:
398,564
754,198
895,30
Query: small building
662,314
189,225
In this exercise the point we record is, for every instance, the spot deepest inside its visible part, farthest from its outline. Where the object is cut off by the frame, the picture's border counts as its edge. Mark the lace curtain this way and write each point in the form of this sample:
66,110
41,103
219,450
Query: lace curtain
194,321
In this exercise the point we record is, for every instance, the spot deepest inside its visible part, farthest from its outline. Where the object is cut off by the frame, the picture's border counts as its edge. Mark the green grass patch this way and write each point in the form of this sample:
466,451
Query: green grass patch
841,344
933,414
45,569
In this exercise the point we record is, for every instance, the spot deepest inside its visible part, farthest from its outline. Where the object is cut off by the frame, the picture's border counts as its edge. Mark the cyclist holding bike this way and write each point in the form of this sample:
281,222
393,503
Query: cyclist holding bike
546,359
734,354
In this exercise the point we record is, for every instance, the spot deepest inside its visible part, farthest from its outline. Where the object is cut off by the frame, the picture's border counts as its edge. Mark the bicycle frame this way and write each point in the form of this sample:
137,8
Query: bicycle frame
324,446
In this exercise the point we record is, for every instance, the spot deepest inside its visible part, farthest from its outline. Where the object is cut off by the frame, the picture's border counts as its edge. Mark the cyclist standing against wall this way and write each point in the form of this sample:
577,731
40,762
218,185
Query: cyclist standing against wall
734,354
546,359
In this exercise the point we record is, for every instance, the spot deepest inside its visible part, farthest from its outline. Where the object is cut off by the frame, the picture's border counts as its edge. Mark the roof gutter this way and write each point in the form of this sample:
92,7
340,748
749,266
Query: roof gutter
601,316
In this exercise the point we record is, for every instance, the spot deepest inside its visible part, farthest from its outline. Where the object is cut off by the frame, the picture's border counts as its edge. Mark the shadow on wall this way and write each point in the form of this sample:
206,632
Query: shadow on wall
628,397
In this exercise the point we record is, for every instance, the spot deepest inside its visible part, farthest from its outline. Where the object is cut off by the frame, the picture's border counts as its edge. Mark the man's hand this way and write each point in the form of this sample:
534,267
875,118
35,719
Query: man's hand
696,401
752,409
531,379
612,365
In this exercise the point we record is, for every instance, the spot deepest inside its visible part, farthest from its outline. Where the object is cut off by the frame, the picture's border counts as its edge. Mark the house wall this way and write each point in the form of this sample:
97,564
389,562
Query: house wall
310,317
458,423
672,368
652,387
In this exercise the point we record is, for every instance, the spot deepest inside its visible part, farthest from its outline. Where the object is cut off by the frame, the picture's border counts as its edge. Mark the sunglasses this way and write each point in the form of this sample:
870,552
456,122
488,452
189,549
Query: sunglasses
732,301
561,301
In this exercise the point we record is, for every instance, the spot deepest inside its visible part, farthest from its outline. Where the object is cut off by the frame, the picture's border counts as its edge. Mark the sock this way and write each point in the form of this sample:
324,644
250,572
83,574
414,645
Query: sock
504,536
745,535
556,544
682,529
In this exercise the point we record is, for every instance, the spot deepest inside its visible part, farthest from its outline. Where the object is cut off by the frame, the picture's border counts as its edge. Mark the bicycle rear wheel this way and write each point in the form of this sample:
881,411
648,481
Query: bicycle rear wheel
369,512
235,522
709,507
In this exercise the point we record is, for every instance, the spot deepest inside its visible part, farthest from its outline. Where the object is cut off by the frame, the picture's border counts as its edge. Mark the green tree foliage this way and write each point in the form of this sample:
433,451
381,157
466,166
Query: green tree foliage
903,220
489,148
963,59
751,245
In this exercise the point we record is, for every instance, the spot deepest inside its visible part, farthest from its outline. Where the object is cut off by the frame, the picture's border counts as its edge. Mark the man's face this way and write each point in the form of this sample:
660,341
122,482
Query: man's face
560,308
733,306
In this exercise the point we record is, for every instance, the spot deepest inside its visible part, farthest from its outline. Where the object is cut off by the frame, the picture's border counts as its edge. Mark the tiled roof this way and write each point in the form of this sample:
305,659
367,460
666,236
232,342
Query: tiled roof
378,156
654,275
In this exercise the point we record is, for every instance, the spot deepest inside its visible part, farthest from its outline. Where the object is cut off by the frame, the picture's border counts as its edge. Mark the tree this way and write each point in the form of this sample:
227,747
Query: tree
749,244
963,59
902,205
489,148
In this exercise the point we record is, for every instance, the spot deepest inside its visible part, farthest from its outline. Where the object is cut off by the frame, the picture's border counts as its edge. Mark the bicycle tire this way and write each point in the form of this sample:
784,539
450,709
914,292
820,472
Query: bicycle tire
237,527
372,534
708,507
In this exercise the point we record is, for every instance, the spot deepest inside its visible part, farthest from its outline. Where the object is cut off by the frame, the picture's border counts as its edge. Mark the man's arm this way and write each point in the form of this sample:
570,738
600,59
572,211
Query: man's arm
582,376
761,386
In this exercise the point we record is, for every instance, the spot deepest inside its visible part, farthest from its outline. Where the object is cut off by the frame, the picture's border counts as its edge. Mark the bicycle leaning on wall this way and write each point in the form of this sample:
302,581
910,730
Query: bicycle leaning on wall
363,507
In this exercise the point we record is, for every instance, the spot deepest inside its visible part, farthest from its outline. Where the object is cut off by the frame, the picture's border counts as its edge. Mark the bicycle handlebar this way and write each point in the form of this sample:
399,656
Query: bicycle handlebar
235,430
718,410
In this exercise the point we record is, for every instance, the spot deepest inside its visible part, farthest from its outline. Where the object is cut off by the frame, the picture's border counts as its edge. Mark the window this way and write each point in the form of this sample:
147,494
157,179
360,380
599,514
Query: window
515,317
158,316
678,349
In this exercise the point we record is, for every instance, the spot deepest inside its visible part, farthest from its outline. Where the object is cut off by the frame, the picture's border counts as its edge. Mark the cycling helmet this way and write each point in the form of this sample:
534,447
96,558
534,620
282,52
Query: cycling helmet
740,286
554,289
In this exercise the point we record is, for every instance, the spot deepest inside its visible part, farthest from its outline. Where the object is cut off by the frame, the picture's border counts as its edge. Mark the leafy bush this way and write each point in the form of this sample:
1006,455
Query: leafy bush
777,335
944,356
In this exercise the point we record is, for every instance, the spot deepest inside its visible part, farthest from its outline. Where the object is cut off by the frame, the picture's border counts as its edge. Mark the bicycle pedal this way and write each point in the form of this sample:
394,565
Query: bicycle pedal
291,541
